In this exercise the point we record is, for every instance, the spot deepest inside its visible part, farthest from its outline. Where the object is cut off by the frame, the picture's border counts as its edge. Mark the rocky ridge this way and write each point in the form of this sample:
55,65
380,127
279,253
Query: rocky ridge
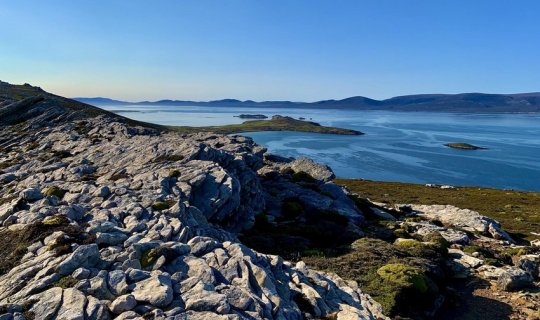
101,219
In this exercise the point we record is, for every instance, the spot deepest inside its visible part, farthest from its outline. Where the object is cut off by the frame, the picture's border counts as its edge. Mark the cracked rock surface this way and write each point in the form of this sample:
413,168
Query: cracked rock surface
134,223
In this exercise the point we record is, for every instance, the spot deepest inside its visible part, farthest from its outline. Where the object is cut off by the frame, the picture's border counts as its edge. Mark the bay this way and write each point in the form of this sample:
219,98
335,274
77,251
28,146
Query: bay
397,146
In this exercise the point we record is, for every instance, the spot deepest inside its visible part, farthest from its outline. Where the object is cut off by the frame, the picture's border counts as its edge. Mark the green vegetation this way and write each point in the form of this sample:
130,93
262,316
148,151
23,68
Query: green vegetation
399,281
277,123
404,275
54,191
66,282
463,146
162,205
148,257
15,243
517,211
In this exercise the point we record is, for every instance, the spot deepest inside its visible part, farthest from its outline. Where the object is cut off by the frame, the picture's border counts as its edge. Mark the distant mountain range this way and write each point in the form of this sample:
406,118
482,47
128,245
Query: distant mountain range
463,102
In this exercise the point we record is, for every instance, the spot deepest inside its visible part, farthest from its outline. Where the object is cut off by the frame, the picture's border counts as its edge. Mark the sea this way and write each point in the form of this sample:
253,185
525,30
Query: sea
396,146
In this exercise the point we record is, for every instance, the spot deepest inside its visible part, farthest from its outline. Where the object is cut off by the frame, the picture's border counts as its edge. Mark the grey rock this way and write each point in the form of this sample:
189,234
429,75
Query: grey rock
117,282
31,194
318,171
102,192
202,245
81,273
96,310
7,178
83,256
202,298
514,279
111,239
73,305
156,290
123,303
48,303
129,315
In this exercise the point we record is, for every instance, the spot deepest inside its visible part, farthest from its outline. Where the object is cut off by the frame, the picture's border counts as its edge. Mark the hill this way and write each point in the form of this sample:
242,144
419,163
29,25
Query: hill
464,102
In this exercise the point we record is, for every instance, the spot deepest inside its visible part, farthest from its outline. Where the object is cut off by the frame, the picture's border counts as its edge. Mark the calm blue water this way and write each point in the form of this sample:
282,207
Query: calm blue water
397,146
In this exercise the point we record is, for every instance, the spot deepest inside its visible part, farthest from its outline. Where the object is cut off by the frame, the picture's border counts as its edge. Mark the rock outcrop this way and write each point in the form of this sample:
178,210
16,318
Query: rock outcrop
102,220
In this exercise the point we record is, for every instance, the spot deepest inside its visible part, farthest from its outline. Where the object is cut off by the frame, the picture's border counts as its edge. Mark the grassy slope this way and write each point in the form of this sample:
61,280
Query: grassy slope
518,212
275,124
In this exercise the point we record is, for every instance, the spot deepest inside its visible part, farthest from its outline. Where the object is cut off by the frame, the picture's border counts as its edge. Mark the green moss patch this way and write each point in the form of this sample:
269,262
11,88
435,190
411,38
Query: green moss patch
162,205
403,275
66,282
54,191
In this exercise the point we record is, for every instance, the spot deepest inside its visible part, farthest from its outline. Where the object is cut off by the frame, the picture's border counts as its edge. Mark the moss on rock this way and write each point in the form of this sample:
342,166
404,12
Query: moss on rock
54,191
404,275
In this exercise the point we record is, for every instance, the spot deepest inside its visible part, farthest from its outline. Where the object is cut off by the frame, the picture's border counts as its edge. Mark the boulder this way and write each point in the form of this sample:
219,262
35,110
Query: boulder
123,303
514,279
83,256
318,171
156,290
31,194
73,305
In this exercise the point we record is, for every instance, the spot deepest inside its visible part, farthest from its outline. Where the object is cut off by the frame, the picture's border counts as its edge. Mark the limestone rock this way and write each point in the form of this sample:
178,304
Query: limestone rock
156,290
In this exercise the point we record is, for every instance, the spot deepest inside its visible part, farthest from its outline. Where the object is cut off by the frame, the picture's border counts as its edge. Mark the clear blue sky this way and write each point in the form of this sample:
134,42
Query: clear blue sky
281,49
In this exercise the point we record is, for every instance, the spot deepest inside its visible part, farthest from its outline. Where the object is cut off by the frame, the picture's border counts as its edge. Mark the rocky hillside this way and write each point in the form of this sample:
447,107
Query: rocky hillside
102,219
105,218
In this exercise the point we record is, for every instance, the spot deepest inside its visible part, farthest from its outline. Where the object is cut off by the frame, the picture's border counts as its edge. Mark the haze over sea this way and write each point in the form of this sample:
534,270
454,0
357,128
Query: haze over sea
397,146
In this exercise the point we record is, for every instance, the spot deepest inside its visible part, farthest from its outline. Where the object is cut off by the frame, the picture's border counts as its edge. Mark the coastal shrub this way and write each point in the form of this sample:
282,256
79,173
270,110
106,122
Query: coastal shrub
404,275
400,233
512,252
302,176
66,282
54,191
15,242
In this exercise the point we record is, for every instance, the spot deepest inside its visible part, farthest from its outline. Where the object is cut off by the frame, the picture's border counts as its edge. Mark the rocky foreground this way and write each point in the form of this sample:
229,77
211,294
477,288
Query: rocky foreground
105,220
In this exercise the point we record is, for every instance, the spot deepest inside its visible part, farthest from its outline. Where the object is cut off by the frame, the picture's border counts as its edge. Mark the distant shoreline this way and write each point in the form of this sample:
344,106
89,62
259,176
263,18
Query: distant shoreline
452,103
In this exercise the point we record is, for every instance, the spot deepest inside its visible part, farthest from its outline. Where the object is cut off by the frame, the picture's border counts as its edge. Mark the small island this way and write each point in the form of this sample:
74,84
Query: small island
463,146
277,123
252,116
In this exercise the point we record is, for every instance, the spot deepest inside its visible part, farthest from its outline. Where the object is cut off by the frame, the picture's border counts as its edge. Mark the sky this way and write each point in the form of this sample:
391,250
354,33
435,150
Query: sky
301,50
